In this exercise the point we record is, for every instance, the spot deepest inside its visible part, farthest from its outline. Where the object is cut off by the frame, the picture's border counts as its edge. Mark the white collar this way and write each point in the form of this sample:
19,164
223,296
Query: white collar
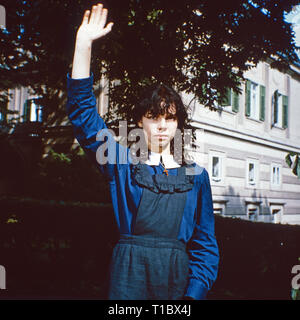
168,160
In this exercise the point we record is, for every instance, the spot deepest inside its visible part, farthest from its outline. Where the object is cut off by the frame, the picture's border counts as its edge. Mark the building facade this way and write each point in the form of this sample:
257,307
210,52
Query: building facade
244,147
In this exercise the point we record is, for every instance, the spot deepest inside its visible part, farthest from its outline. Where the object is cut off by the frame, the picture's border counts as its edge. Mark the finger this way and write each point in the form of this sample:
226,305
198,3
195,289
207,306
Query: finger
103,18
93,15
85,18
98,13
108,28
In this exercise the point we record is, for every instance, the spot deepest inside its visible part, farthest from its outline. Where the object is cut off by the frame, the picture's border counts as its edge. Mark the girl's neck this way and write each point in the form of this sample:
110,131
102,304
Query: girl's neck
162,151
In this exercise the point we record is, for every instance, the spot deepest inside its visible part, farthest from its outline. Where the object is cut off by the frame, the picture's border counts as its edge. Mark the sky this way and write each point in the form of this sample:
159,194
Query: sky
294,18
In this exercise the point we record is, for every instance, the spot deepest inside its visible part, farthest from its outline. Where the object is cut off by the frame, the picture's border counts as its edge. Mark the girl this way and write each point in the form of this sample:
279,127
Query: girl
167,248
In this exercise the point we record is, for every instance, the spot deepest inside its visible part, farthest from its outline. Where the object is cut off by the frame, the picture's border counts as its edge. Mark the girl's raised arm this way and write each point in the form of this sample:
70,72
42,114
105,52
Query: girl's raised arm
89,128
93,27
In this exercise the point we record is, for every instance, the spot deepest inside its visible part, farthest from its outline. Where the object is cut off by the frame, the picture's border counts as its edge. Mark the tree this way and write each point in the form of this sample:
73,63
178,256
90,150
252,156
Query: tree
201,47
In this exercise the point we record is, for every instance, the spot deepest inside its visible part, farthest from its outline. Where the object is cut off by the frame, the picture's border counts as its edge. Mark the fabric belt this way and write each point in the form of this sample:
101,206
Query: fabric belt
152,242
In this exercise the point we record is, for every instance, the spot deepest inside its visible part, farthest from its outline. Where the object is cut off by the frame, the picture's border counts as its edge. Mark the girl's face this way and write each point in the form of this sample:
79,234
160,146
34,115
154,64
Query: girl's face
159,131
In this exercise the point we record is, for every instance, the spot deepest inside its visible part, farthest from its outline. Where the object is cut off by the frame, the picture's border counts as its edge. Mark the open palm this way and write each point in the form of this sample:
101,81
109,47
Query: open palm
93,24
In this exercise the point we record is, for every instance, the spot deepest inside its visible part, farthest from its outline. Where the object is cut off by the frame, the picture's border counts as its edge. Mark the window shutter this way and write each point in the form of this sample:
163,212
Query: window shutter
262,103
26,114
227,99
4,105
285,111
247,101
275,114
236,100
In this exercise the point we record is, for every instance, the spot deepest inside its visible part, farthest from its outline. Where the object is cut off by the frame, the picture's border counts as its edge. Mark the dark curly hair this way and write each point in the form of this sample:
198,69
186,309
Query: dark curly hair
160,99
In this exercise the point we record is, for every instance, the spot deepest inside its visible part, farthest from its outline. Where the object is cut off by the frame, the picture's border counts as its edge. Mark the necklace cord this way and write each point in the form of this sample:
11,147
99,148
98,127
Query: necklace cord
165,170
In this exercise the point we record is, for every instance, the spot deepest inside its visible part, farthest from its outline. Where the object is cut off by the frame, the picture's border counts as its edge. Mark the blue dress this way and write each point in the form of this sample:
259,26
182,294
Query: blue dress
151,264
167,247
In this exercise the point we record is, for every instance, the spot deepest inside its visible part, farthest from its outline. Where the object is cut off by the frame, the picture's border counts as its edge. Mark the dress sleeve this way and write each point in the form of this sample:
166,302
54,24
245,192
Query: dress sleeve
90,129
202,247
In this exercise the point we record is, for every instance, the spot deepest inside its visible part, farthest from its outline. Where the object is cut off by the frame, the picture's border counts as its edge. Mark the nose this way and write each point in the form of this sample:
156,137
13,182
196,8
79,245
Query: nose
161,123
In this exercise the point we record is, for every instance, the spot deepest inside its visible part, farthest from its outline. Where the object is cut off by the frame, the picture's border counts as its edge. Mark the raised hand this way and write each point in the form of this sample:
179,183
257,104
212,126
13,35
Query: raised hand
93,24
93,27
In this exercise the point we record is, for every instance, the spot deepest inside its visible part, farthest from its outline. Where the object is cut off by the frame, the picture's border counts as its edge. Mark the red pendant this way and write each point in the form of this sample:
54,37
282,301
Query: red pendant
166,172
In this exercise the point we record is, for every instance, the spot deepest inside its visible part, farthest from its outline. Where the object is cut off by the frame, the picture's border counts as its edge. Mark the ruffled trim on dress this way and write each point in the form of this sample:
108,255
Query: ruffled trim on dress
160,182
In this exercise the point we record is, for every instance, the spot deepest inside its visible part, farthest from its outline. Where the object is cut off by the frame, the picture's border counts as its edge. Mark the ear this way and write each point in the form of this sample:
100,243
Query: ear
140,124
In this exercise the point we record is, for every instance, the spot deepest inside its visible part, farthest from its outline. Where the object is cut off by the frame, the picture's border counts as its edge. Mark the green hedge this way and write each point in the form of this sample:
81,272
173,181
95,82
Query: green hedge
61,249
62,176
256,259
55,248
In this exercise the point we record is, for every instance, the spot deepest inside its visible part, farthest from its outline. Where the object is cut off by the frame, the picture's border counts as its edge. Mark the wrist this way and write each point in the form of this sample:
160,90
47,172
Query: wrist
82,43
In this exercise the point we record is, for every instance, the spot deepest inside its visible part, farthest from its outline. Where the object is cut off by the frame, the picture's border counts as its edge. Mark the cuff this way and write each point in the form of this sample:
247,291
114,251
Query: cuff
196,290
79,86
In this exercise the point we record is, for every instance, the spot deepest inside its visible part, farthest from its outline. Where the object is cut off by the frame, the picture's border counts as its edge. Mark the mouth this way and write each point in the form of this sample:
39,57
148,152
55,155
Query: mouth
161,136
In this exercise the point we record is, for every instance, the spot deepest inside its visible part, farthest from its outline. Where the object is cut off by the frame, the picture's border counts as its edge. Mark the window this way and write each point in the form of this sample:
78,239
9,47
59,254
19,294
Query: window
255,101
33,110
231,101
279,110
252,213
220,207
216,167
218,211
2,117
276,210
276,215
275,175
252,172
252,209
